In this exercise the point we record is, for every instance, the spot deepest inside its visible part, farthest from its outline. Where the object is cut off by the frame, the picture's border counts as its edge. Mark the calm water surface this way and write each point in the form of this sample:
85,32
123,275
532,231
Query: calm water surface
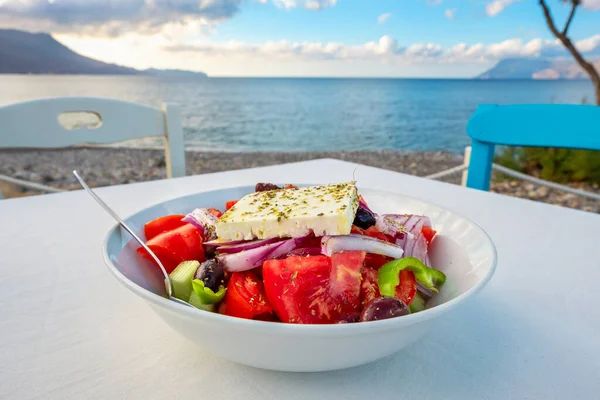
257,114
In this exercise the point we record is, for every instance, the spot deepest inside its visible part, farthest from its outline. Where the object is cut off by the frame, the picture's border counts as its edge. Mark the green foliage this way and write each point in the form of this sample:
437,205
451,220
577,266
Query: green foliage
558,165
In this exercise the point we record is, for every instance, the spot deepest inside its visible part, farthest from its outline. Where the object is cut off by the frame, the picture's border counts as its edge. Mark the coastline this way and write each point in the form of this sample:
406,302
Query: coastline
105,166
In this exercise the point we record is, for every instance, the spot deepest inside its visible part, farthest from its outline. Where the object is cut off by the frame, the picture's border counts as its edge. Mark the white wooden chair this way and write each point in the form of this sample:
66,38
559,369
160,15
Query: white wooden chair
35,124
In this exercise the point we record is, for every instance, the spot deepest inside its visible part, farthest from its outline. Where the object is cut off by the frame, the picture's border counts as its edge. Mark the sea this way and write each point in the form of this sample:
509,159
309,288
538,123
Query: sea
308,114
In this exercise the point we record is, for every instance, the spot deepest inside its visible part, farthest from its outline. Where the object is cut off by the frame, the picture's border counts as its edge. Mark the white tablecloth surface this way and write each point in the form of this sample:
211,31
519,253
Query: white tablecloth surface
68,330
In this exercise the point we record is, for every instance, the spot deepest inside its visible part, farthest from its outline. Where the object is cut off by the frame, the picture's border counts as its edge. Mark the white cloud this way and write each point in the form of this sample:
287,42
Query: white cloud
308,4
534,47
114,17
387,45
423,50
434,2
450,13
590,44
287,4
593,5
505,48
387,48
383,17
383,57
495,7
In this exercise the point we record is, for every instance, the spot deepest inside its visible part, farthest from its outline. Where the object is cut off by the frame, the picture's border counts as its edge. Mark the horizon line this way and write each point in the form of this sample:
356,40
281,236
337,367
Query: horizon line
293,77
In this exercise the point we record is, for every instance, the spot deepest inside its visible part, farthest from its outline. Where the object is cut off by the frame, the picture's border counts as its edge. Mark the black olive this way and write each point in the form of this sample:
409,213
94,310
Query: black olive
263,187
383,308
350,319
364,218
211,272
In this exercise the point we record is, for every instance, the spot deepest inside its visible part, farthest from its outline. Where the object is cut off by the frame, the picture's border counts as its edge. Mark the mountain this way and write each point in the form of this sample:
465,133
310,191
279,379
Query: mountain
174,73
39,53
516,68
535,68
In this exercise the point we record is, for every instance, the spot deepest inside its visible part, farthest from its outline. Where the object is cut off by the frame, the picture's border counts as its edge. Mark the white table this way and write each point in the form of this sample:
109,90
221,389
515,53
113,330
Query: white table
68,330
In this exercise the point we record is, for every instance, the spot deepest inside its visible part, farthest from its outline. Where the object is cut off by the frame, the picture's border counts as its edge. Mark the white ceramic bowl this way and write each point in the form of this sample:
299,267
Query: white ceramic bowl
462,250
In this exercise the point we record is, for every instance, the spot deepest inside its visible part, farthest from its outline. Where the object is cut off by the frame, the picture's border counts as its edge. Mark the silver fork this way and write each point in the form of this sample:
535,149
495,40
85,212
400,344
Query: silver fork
168,287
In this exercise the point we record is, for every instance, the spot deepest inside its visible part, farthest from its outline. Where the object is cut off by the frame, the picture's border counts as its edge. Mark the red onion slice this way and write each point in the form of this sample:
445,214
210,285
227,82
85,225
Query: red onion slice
395,224
409,244
416,246
217,242
335,244
401,239
305,251
249,259
414,224
205,221
237,247
426,293
286,247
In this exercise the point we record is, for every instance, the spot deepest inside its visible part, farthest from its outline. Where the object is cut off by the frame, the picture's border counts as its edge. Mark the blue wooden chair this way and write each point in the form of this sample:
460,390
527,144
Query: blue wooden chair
543,125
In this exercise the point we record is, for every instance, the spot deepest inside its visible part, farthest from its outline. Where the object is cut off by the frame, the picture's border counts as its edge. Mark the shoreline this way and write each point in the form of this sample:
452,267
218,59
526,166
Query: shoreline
347,77
105,166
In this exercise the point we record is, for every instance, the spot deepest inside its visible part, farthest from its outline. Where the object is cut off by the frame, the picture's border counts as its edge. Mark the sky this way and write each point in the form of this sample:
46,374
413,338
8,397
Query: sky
374,38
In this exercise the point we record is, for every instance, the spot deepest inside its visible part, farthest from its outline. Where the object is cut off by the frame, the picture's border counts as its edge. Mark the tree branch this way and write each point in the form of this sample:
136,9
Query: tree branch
562,36
588,67
571,15
549,19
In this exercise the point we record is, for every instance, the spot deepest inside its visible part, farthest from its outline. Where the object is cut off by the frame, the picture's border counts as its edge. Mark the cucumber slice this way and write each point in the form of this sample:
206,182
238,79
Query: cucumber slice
181,279
196,302
418,304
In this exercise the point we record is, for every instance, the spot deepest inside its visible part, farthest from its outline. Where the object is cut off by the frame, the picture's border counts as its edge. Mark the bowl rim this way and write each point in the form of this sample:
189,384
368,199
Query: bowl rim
299,329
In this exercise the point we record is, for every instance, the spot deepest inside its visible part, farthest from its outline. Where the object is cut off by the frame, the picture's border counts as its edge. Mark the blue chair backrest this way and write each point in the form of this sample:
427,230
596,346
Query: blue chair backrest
532,125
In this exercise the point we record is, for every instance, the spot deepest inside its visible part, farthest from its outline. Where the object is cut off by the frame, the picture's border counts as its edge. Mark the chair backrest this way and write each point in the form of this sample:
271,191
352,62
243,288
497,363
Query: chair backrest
539,125
35,124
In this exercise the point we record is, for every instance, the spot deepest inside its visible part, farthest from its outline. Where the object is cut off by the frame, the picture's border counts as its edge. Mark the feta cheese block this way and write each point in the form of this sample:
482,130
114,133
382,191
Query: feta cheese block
324,210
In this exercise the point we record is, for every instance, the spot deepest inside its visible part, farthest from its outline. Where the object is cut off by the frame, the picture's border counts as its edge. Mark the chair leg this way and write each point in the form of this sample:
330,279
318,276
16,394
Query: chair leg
467,162
174,145
480,166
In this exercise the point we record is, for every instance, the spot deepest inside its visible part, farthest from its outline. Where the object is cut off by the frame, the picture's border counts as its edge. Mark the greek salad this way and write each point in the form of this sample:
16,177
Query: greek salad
311,255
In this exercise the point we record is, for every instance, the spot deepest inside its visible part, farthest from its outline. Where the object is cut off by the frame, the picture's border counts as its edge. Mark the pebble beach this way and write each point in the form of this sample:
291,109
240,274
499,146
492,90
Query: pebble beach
112,166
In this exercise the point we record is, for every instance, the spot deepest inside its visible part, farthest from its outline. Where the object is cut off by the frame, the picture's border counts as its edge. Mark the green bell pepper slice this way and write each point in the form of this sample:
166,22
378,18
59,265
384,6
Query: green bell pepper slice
206,295
388,276
196,302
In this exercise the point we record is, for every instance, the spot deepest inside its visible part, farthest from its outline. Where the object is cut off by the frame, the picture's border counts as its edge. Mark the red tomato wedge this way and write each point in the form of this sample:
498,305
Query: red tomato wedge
362,200
428,233
168,259
345,277
175,246
245,297
407,288
373,260
355,230
369,289
314,289
163,224
377,234
215,212
230,204
376,261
